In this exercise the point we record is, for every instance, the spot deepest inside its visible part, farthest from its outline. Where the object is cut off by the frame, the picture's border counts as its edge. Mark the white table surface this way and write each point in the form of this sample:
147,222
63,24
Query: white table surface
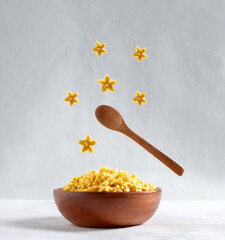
40,219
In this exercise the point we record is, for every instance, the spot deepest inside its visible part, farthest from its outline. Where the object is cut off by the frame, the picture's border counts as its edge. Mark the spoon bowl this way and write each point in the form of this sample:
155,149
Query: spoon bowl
109,117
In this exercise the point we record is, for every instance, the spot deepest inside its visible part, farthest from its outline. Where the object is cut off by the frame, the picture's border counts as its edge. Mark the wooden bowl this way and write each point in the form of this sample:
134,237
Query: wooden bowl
101,209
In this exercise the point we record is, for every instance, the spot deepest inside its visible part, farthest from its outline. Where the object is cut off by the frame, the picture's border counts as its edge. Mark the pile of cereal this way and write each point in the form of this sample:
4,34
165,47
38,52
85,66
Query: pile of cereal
108,180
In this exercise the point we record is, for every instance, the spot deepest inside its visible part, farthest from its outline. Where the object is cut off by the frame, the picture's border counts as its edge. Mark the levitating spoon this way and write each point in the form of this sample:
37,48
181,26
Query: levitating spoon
112,119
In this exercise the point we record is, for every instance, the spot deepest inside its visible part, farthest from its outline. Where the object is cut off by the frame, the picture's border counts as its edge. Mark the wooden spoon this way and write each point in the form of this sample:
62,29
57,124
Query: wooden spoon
112,119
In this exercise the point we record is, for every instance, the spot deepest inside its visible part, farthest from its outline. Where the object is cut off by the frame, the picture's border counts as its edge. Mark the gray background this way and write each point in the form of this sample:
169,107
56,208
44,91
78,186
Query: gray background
45,50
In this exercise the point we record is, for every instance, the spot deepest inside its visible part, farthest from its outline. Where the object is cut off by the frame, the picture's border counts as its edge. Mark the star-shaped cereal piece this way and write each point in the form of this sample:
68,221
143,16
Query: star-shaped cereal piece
72,98
87,144
140,98
139,54
100,48
107,84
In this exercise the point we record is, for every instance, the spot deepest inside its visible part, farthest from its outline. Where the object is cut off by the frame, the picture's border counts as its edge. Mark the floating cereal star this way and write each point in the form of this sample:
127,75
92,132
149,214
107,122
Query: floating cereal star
139,54
72,98
140,98
107,84
100,48
87,144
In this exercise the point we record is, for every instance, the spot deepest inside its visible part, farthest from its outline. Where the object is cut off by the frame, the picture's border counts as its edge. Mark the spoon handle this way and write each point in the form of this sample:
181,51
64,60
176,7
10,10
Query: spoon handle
154,151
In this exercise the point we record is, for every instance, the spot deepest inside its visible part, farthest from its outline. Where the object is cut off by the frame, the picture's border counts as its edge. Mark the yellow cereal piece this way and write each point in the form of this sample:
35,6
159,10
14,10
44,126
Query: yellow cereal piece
72,98
139,54
108,180
87,144
107,84
140,98
99,49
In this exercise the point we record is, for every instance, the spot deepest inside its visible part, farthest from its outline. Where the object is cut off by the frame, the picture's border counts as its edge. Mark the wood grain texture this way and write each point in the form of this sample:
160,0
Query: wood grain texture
176,168
101,209
111,118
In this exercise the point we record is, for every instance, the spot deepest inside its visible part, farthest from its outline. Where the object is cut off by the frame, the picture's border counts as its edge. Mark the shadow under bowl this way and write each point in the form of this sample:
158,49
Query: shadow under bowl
102,209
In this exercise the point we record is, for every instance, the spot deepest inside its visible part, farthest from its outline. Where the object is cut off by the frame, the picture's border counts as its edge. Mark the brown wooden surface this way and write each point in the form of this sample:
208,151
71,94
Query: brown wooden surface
112,119
101,209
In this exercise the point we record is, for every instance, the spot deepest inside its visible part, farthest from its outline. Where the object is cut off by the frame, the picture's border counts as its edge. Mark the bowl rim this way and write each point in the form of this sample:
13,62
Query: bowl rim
158,189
